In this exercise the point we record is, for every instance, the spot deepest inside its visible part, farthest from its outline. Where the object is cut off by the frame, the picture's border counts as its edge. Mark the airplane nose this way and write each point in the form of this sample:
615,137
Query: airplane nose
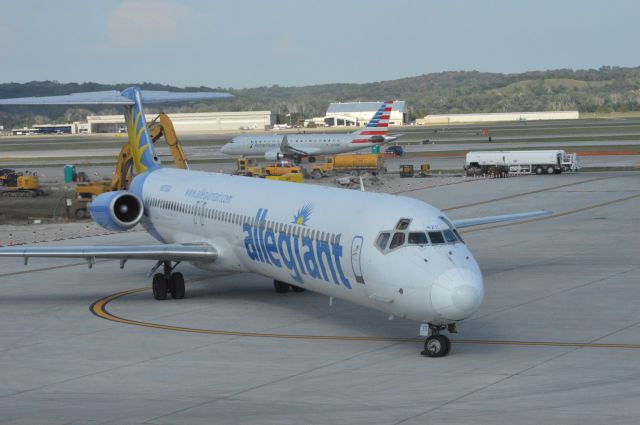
224,149
457,293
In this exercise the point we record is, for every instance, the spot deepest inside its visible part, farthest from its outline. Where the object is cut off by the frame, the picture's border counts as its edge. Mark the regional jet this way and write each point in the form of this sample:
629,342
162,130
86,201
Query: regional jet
297,146
391,253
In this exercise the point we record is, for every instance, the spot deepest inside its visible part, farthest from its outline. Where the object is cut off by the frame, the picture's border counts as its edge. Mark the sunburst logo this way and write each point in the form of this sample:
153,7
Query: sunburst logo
303,215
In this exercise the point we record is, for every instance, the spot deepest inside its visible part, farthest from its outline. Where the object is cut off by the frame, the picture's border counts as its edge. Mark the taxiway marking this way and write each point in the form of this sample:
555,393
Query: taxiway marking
99,308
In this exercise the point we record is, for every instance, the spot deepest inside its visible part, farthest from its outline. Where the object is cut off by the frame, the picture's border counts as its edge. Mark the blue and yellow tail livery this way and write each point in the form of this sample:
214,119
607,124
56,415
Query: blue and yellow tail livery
144,157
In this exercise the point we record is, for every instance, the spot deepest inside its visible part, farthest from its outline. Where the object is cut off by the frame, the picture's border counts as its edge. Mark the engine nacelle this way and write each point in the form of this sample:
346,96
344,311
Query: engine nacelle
117,211
274,156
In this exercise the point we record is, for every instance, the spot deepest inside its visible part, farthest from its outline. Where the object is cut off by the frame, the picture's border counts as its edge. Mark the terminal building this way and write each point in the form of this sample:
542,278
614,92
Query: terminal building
190,122
497,117
359,113
71,128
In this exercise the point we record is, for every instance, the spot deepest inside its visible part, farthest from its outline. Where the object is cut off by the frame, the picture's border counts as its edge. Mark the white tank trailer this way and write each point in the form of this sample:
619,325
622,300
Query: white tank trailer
521,162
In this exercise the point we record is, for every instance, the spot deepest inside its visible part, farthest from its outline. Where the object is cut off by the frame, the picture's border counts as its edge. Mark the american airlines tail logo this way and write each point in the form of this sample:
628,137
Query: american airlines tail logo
289,247
377,127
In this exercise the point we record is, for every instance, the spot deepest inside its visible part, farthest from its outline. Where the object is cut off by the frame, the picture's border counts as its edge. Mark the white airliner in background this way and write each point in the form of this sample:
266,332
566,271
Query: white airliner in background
297,146
391,253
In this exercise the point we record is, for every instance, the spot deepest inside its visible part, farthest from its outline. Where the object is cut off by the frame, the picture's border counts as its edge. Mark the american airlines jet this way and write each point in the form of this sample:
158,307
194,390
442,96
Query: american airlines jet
297,146
395,254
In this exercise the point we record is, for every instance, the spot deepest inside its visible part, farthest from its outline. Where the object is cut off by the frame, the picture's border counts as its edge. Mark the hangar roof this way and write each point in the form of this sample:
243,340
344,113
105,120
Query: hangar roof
338,108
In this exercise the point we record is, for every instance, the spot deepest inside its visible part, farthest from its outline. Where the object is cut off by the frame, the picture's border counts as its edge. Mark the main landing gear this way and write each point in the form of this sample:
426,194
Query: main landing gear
437,345
167,282
283,287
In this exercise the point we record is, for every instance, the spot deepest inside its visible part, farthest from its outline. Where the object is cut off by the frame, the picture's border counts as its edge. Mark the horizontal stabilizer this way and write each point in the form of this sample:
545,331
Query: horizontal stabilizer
469,222
152,96
167,252
114,97
111,97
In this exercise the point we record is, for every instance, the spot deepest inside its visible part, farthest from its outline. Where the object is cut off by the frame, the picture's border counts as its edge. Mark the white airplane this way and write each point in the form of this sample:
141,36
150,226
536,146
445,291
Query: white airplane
297,146
395,254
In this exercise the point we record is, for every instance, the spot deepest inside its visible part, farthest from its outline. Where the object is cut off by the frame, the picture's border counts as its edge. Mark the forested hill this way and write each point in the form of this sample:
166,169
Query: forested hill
602,90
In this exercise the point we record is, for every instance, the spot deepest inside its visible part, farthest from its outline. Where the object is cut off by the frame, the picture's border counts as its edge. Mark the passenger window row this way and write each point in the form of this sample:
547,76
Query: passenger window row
240,219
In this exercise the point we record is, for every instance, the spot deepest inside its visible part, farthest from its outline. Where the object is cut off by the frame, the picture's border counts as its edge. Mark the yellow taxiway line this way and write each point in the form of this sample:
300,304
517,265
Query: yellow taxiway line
99,308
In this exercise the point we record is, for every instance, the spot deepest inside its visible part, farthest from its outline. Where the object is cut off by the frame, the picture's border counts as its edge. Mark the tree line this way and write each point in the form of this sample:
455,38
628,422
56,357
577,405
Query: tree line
607,89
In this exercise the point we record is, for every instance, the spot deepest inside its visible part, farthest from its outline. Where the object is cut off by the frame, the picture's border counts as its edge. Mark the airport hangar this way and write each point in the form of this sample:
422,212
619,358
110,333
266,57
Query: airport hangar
190,122
358,114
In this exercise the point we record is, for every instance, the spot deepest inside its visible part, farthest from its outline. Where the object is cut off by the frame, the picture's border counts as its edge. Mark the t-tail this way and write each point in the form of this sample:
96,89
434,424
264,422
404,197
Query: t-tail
131,99
377,129
144,156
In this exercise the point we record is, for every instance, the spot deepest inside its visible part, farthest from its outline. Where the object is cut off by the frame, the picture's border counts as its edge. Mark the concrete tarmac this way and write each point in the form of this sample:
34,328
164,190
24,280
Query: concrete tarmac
102,148
213,152
556,340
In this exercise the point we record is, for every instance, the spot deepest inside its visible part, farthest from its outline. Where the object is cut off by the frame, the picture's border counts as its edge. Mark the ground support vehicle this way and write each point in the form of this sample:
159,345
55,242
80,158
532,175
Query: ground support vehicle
248,167
291,177
358,163
520,162
394,151
85,192
281,168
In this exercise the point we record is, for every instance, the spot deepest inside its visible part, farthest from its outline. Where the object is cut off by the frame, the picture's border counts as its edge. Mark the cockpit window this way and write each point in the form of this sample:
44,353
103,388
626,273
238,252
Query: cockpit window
403,224
436,238
383,240
449,236
397,240
418,238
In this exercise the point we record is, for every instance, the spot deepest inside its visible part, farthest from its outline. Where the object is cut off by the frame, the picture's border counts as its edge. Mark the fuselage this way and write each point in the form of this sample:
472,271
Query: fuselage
391,253
313,144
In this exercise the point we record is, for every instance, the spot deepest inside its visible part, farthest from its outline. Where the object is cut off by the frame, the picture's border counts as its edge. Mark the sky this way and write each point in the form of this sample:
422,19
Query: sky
251,43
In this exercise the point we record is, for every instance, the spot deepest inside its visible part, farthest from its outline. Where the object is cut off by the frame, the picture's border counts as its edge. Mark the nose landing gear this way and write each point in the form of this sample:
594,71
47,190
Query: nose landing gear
283,287
437,345
167,282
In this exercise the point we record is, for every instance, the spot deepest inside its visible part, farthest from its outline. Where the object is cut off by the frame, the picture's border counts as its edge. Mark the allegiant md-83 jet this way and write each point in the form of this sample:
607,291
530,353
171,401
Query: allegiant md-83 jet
297,146
392,253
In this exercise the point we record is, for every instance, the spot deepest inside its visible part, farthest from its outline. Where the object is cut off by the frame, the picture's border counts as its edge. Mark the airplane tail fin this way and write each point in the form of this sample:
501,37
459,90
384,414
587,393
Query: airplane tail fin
141,144
377,127
144,156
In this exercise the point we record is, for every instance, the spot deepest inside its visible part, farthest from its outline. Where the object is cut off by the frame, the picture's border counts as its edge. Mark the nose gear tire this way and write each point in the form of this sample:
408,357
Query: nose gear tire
436,346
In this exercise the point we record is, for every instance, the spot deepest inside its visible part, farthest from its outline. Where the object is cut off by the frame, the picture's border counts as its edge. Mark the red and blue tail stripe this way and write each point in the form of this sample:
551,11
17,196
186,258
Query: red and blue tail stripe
377,127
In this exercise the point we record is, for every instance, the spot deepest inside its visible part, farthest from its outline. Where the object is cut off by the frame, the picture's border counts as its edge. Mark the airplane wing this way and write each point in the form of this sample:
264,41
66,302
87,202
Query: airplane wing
469,222
286,148
167,252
